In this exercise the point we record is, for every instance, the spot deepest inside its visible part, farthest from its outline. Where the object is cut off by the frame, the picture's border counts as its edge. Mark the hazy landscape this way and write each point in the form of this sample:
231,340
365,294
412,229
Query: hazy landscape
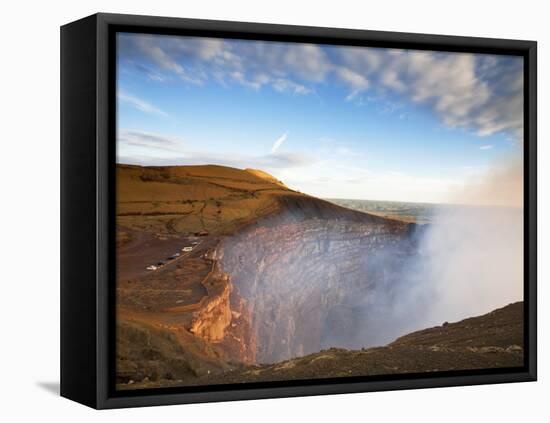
255,281
291,210
409,212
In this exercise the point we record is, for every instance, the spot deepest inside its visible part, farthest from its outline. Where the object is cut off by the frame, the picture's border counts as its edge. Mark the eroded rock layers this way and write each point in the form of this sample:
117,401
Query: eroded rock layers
316,276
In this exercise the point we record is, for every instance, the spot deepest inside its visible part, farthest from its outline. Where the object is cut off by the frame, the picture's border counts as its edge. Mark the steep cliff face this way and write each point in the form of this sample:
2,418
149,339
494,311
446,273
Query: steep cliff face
316,276
214,316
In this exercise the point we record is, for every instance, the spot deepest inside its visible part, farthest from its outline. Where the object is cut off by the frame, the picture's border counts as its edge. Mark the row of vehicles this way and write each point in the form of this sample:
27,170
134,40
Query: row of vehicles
162,263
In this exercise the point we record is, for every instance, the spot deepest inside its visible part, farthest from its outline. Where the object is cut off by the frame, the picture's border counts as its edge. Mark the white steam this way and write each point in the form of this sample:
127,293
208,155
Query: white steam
472,256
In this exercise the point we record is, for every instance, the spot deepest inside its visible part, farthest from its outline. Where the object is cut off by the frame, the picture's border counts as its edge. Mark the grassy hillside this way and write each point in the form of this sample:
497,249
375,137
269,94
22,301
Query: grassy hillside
187,199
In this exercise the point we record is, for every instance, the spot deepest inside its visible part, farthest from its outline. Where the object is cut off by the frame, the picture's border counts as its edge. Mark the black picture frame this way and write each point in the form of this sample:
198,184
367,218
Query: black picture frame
87,209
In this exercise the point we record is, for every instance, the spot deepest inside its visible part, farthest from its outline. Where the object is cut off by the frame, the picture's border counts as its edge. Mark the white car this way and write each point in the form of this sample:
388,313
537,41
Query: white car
152,267
187,249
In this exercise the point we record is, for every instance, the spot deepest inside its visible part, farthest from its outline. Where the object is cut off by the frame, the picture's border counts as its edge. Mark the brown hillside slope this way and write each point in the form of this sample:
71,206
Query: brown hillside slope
186,199
265,176
179,200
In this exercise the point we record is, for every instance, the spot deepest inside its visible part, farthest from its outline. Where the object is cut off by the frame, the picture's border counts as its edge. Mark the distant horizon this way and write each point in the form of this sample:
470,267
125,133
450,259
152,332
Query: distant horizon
398,125
374,200
331,198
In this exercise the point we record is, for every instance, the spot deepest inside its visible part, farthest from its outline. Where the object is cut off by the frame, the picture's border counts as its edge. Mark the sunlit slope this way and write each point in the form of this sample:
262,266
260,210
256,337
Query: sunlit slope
266,177
184,199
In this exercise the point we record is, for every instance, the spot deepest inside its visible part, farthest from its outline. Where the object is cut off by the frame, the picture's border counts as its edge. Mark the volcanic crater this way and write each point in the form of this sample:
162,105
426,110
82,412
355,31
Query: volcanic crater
249,273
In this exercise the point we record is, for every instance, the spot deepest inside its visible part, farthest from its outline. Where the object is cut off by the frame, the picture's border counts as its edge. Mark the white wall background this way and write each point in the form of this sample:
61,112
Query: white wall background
29,157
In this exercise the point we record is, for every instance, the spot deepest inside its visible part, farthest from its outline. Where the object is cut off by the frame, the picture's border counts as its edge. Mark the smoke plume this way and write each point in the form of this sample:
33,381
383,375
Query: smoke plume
471,257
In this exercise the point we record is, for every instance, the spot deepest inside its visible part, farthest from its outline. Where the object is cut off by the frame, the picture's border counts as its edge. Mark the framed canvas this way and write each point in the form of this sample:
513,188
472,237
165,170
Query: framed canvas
257,211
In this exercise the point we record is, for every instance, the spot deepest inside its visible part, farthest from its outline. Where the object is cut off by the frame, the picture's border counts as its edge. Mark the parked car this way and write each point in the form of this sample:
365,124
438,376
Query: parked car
187,249
152,267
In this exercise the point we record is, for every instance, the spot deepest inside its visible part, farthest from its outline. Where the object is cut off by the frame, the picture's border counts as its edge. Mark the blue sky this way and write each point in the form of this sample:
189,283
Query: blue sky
331,121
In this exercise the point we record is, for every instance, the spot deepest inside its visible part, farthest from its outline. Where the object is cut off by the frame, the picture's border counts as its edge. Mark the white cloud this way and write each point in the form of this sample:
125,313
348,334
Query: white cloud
271,163
165,51
140,104
240,77
286,85
150,149
354,80
486,147
158,55
285,67
151,74
390,79
481,93
147,140
278,142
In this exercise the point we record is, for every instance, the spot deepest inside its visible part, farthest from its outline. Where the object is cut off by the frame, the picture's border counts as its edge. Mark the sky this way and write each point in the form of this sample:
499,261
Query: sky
330,121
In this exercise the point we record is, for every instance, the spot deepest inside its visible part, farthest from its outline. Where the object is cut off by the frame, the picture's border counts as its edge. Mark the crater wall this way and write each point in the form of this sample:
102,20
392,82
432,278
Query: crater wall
316,276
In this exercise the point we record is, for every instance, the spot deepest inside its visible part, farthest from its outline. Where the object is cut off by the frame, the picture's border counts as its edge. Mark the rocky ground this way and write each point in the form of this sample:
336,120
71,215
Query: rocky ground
494,340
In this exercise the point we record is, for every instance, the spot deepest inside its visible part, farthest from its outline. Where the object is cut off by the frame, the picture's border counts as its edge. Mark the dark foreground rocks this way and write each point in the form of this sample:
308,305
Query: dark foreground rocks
493,340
